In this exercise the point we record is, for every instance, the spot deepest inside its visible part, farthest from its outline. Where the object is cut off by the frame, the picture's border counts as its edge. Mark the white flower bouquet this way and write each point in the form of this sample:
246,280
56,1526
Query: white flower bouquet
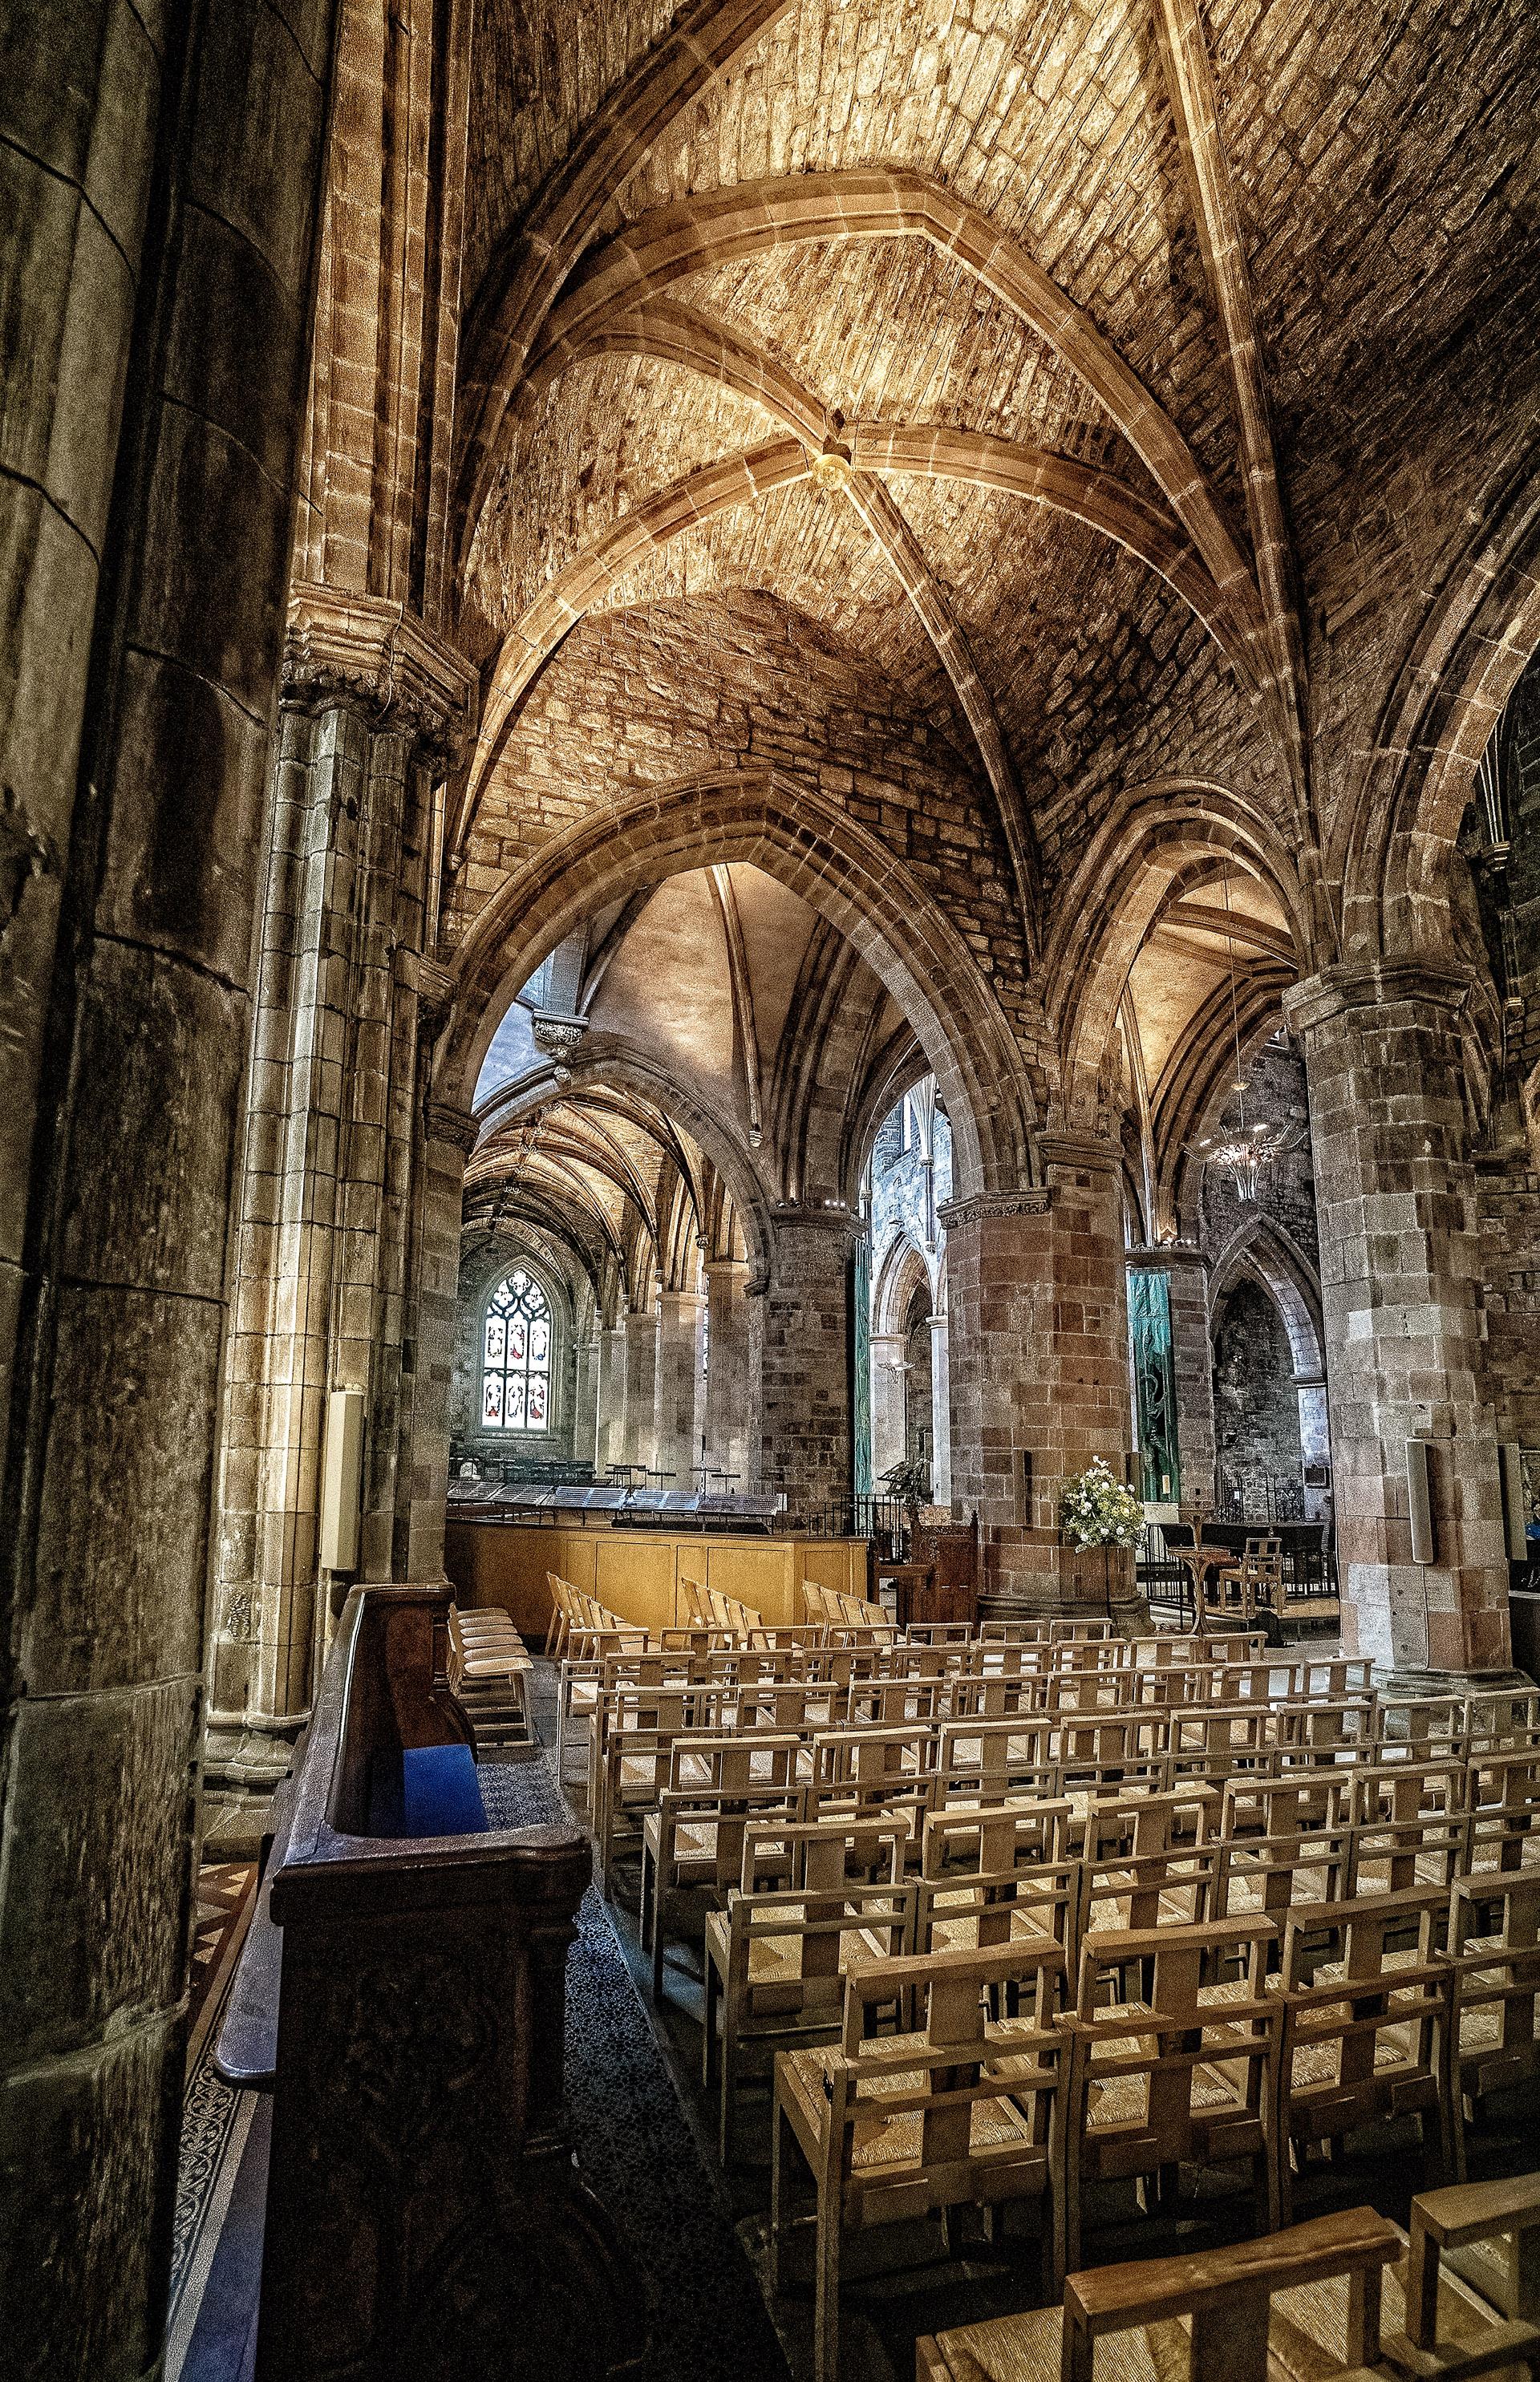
1096,1510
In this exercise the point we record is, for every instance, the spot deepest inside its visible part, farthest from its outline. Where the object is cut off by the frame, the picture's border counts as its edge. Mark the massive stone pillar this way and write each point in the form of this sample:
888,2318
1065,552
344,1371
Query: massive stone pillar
80,101
327,1297
800,1350
610,1433
889,1368
677,1391
727,1382
585,1399
122,1076
641,1378
1190,1376
1400,1283
1039,1364
941,1410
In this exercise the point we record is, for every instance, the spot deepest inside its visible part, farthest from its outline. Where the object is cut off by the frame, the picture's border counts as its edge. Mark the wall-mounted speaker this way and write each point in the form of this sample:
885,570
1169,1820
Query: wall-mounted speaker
1419,1494
341,1477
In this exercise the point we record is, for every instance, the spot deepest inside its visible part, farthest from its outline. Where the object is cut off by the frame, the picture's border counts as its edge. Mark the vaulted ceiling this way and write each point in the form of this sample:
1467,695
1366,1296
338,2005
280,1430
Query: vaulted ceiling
1051,400
1122,313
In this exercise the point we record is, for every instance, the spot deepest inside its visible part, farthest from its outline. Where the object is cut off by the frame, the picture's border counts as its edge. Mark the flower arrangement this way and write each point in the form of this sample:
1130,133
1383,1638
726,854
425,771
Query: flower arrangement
1096,1510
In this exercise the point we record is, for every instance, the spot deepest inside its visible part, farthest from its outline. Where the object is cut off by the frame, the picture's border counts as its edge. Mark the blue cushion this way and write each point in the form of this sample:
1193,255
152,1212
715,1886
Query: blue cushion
425,1790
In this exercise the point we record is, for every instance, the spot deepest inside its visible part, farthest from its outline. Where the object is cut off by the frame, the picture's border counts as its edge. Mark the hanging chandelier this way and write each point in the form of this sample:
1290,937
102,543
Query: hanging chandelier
1246,1153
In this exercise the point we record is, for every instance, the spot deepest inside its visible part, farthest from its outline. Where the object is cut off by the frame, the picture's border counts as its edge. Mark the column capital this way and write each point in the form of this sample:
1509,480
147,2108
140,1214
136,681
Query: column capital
712,1267
1031,1199
1169,1256
813,1244
1081,1153
456,1127
1373,983
380,658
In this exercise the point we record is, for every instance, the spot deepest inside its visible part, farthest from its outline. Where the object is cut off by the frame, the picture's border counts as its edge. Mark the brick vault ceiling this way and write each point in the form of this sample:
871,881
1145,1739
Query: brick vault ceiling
1380,209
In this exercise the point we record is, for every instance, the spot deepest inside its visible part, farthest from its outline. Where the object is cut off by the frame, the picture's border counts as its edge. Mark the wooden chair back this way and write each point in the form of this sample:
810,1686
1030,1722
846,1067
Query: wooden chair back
1227,2295
1181,2068
1496,2226
1495,1949
1367,2031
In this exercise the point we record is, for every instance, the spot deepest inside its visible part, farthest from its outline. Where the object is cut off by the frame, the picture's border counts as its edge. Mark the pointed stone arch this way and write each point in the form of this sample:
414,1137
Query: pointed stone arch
770,821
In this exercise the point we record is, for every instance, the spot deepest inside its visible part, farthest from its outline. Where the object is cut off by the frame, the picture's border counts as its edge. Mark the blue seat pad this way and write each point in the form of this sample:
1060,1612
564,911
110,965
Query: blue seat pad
425,1790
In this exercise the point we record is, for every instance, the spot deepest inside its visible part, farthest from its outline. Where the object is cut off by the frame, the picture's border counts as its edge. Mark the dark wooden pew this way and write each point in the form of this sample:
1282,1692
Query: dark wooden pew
402,1995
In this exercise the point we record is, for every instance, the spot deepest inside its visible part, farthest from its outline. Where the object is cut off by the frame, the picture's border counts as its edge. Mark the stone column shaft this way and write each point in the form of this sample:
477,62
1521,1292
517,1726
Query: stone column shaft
727,1381
340,1229
585,1400
1038,1359
800,1347
676,1409
889,1366
610,1432
941,1410
1401,1271
641,1377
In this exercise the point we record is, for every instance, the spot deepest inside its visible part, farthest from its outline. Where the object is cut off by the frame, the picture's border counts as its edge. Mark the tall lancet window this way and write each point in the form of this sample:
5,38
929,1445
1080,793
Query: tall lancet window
515,1380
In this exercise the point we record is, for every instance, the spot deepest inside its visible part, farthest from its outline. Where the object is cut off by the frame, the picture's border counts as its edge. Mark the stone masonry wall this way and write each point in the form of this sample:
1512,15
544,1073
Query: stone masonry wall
1256,1406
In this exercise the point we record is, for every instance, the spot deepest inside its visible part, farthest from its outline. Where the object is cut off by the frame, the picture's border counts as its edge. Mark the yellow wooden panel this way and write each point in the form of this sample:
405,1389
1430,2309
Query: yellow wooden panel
835,1563
758,1572
636,1576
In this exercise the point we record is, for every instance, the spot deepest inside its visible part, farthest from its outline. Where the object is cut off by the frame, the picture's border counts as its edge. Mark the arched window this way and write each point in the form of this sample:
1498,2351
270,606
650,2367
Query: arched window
516,1350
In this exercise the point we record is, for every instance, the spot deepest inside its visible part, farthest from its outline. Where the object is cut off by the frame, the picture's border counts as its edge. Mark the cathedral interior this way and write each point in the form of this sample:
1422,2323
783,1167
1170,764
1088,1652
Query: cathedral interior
770,1189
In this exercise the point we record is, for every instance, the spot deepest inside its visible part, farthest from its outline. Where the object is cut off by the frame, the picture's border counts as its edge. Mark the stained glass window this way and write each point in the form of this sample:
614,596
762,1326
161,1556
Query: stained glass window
515,1379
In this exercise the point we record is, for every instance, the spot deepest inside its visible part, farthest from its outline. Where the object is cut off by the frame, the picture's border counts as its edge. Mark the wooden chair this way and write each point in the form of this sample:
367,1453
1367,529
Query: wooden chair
1283,1841
1180,2071
1410,1825
693,1843
490,1674
1502,1720
1231,2298
996,1873
1504,1803
775,1963
1489,2235
1368,2027
1141,1867
1497,1984
1421,1728
1000,1757
968,2110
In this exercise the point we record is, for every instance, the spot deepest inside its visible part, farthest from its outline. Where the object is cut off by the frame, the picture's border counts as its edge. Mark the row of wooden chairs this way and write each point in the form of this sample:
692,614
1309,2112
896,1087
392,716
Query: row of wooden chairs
917,1768
490,1674
835,1609
1340,2297
1006,2082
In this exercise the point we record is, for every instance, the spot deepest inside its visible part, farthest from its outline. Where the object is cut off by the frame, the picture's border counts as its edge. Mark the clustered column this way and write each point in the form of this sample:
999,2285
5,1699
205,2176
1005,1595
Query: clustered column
1401,1265
333,1177
1038,1361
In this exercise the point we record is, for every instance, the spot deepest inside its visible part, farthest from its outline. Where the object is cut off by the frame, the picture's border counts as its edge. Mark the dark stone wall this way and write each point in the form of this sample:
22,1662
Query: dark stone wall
1256,1406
